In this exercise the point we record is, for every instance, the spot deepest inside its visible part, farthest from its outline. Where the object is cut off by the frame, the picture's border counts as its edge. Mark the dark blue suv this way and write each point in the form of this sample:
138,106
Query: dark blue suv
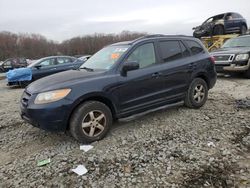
230,22
122,80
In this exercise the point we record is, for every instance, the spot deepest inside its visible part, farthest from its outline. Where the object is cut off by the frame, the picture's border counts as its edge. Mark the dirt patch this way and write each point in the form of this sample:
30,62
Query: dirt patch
213,175
243,103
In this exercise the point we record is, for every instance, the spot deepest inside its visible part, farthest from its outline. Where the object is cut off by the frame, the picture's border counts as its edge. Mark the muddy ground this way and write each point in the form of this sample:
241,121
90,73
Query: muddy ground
178,147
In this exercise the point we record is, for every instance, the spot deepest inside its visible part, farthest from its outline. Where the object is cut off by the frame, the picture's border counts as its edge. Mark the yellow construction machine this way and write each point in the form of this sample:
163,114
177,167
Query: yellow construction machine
214,42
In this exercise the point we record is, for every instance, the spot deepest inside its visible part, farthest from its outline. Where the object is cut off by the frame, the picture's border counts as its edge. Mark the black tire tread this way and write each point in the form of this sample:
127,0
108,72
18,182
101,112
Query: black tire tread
188,98
76,117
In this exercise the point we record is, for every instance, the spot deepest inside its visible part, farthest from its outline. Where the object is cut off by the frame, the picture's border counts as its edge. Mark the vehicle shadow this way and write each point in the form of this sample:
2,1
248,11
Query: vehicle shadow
231,76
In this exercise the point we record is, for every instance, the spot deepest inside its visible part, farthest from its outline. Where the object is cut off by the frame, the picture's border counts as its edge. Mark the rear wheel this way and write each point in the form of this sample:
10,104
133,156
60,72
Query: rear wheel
243,29
218,30
90,121
197,93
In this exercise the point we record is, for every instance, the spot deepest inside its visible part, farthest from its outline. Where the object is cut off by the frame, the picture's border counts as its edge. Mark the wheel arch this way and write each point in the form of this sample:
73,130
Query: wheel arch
93,97
203,76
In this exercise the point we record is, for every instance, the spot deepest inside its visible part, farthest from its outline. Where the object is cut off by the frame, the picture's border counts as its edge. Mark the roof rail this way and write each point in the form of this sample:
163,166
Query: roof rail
149,36
154,35
158,35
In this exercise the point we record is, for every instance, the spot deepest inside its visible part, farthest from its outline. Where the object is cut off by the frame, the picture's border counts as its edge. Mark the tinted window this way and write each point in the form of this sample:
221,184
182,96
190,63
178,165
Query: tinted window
235,15
170,50
184,50
144,55
194,47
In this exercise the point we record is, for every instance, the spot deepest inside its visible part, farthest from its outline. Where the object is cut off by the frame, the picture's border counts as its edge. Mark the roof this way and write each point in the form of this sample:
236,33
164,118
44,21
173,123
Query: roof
148,37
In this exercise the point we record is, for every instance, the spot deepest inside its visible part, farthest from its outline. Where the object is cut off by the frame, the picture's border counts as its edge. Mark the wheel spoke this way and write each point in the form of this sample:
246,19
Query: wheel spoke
91,115
202,94
100,117
199,99
99,126
92,131
201,88
196,95
86,124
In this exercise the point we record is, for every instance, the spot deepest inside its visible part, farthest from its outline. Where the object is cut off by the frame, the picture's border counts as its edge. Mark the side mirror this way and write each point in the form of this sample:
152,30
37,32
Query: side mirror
38,66
129,66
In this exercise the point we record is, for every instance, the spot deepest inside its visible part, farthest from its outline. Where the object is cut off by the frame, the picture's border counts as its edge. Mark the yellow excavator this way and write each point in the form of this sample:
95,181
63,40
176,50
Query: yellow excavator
214,42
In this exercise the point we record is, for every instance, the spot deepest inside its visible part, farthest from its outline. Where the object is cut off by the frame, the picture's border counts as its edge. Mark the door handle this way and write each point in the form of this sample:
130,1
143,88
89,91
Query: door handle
156,75
192,65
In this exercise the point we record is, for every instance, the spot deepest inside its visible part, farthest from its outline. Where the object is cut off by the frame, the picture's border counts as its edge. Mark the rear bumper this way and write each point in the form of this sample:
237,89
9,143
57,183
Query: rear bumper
212,82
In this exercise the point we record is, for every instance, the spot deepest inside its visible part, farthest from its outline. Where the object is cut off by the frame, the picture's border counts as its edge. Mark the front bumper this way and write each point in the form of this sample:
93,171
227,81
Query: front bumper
51,117
232,67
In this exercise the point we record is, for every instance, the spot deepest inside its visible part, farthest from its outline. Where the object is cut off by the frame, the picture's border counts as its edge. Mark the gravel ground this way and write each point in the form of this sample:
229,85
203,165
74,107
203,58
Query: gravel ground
178,147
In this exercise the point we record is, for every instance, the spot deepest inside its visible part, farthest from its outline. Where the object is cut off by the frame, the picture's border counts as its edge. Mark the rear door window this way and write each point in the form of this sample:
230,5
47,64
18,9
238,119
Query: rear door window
194,47
64,60
172,50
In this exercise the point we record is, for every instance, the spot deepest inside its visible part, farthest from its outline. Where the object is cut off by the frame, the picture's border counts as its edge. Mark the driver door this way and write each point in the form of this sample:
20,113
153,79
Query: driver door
141,88
46,67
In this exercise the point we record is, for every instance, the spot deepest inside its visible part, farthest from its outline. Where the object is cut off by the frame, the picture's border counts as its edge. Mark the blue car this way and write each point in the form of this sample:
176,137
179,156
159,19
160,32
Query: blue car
41,68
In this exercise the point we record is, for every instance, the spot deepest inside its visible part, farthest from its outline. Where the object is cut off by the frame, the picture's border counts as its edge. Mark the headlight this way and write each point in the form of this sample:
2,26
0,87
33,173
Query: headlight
51,96
241,57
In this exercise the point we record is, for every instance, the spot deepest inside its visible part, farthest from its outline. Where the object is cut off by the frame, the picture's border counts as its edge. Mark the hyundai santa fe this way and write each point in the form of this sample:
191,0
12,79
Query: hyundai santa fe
120,81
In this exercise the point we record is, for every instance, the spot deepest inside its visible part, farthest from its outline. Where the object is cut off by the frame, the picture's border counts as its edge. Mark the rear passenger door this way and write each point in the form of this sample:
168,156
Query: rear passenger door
176,62
64,63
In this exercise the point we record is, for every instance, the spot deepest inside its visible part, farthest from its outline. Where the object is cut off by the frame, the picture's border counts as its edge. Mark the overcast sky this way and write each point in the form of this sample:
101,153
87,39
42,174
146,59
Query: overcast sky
62,19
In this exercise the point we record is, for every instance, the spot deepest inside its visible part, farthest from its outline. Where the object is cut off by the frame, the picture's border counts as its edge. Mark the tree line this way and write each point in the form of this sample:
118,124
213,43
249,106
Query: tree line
35,46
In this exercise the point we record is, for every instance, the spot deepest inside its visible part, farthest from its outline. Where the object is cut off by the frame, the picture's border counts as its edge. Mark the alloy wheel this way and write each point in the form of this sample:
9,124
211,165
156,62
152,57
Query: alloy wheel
199,93
94,123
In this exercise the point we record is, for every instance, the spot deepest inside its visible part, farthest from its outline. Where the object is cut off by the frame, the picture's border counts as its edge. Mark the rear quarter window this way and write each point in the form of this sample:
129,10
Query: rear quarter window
172,50
194,47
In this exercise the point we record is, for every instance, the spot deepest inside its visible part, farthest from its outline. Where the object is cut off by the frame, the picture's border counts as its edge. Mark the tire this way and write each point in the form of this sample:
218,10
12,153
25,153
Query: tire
218,30
194,99
24,83
243,29
95,129
247,73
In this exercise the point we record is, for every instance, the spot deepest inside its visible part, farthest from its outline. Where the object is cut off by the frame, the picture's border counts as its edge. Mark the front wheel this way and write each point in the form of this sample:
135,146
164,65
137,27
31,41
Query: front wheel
90,121
197,93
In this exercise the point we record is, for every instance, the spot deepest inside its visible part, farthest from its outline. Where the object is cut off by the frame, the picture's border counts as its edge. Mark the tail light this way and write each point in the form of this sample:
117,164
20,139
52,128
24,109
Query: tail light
212,59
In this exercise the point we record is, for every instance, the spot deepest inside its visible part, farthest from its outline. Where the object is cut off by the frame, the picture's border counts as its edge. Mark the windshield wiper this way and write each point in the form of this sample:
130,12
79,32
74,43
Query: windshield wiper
88,69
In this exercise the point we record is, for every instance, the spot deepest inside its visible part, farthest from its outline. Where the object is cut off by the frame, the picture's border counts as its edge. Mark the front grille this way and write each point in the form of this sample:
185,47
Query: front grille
25,98
224,57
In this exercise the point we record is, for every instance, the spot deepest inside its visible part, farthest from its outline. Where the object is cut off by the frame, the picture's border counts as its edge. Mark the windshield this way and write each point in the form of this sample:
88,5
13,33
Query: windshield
237,42
105,58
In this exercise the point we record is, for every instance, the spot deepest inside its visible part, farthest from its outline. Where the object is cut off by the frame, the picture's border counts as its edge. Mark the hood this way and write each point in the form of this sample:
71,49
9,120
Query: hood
235,50
61,80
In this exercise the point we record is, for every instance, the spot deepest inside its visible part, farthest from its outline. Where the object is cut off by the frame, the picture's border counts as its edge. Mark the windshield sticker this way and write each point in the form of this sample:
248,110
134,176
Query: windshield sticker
115,56
120,49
